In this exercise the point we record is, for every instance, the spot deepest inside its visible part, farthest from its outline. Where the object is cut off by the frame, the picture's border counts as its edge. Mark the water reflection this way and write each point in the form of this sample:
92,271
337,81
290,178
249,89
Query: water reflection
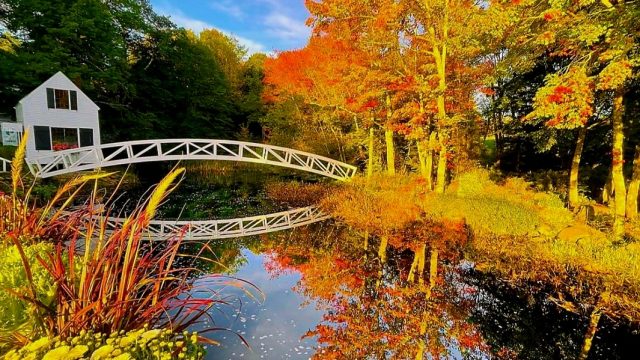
327,297
330,293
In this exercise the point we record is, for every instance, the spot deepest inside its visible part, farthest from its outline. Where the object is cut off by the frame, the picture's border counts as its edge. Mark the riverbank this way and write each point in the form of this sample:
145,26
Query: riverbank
527,238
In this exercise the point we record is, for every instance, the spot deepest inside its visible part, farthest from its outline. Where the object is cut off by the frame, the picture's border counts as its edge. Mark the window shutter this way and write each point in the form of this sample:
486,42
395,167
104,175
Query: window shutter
50,100
74,100
42,137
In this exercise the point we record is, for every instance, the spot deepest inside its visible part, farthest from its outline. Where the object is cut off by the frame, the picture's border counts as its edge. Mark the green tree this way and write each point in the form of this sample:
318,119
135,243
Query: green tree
180,90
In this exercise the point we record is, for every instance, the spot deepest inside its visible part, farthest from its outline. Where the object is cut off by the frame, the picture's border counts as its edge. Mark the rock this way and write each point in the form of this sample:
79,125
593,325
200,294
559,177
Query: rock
579,231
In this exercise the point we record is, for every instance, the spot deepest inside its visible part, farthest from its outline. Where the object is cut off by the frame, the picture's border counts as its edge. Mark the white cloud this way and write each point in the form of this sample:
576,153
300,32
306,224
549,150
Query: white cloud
228,7
182,20
286,27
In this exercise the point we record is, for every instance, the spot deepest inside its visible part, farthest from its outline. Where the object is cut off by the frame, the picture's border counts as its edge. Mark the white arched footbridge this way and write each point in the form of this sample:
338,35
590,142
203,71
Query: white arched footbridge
132,152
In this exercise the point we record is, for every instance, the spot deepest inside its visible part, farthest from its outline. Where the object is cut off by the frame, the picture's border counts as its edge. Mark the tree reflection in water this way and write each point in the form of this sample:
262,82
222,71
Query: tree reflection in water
419,299
373,309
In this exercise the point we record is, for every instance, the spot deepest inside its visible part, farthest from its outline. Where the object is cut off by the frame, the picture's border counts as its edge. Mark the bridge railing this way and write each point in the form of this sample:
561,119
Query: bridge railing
5,165
231,228
88,158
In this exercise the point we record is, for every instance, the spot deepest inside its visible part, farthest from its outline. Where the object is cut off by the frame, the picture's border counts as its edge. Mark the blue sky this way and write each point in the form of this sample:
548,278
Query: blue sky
259,25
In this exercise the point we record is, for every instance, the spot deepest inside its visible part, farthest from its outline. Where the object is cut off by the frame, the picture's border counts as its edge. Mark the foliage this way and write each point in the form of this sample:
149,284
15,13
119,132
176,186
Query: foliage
566,100
379,205
16,314
294,193
143,343
7,152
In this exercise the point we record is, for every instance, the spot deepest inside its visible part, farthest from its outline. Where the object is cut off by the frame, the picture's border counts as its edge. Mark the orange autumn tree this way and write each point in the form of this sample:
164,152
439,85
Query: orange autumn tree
375,29
448,35
423,68
321,76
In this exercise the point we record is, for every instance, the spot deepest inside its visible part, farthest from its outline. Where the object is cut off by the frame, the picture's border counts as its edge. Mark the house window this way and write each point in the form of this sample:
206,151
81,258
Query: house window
64,138
42,137
86,137
62,99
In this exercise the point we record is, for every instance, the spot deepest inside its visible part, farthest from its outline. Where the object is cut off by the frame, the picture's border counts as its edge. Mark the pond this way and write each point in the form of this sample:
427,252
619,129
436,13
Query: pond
325,292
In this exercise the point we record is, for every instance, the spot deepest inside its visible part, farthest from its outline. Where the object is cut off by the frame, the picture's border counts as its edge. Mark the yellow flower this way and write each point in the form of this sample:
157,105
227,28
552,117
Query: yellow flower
125,341
59,353
37,345
102,352
77,352
150,334
124,356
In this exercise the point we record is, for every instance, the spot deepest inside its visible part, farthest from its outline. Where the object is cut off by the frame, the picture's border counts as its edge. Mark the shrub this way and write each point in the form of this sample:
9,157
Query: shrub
136,344
379,205
473,183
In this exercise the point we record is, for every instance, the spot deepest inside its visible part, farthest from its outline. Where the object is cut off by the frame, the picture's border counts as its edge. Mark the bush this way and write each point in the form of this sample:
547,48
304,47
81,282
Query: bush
7,152
137,344
380,205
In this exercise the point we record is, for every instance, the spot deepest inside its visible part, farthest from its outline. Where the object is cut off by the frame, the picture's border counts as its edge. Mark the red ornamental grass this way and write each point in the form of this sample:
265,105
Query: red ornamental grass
125,281
113,280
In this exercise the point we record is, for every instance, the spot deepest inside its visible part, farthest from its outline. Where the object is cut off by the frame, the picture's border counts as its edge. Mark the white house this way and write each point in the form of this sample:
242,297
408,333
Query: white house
58,116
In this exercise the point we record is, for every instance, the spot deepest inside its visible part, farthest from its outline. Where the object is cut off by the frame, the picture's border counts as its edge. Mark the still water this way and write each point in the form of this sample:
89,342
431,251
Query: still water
324,292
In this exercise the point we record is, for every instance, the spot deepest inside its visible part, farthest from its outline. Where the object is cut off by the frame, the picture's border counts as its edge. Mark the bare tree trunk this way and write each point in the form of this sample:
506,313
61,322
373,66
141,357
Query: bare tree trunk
422,158
441,177
634,186
574,196
391,156
594,319
430,155
371,153
388,136
620,192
